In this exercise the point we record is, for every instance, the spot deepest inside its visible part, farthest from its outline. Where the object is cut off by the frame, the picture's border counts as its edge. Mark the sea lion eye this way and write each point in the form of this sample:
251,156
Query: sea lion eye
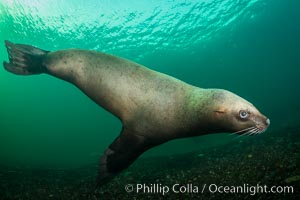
244,114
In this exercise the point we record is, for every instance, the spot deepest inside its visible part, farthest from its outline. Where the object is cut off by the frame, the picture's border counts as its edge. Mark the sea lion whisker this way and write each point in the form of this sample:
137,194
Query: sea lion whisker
246,133
242,130
254,131
260,132
250,132
257,131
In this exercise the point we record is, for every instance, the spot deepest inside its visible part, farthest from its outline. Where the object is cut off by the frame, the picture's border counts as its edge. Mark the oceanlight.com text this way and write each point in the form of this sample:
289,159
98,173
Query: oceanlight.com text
211,188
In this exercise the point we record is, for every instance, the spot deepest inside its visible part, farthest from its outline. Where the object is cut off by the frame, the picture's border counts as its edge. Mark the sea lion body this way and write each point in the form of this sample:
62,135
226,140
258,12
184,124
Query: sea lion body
124,88
153,107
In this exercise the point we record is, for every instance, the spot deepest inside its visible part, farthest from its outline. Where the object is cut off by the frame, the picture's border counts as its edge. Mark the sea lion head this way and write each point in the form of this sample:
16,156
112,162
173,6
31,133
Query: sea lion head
236,115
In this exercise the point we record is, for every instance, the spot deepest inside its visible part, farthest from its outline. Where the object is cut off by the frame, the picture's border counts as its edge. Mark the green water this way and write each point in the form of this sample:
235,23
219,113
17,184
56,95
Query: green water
249,47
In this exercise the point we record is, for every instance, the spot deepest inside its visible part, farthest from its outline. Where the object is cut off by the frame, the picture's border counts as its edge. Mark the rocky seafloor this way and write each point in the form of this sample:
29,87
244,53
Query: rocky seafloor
270,159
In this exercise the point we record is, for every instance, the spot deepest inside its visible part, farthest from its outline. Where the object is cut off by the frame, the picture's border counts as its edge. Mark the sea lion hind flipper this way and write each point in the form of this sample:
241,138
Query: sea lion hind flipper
24,59
119,155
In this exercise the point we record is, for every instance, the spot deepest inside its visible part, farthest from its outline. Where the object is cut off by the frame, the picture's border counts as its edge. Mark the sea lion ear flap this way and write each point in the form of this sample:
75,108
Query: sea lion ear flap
220,111
119,155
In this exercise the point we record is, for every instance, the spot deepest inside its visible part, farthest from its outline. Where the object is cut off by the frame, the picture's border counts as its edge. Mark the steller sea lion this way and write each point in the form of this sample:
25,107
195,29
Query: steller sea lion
153,107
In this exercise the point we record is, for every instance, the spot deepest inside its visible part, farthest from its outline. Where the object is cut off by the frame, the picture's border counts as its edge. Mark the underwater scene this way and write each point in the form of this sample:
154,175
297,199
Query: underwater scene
56,142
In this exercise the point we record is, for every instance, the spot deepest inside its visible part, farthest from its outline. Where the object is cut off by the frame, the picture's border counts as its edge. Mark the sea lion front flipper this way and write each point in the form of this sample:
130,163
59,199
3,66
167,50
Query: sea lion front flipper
125,149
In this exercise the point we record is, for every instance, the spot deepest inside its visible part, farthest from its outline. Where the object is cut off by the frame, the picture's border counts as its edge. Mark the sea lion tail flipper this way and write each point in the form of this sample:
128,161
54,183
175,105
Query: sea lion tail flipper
24,59
119,155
